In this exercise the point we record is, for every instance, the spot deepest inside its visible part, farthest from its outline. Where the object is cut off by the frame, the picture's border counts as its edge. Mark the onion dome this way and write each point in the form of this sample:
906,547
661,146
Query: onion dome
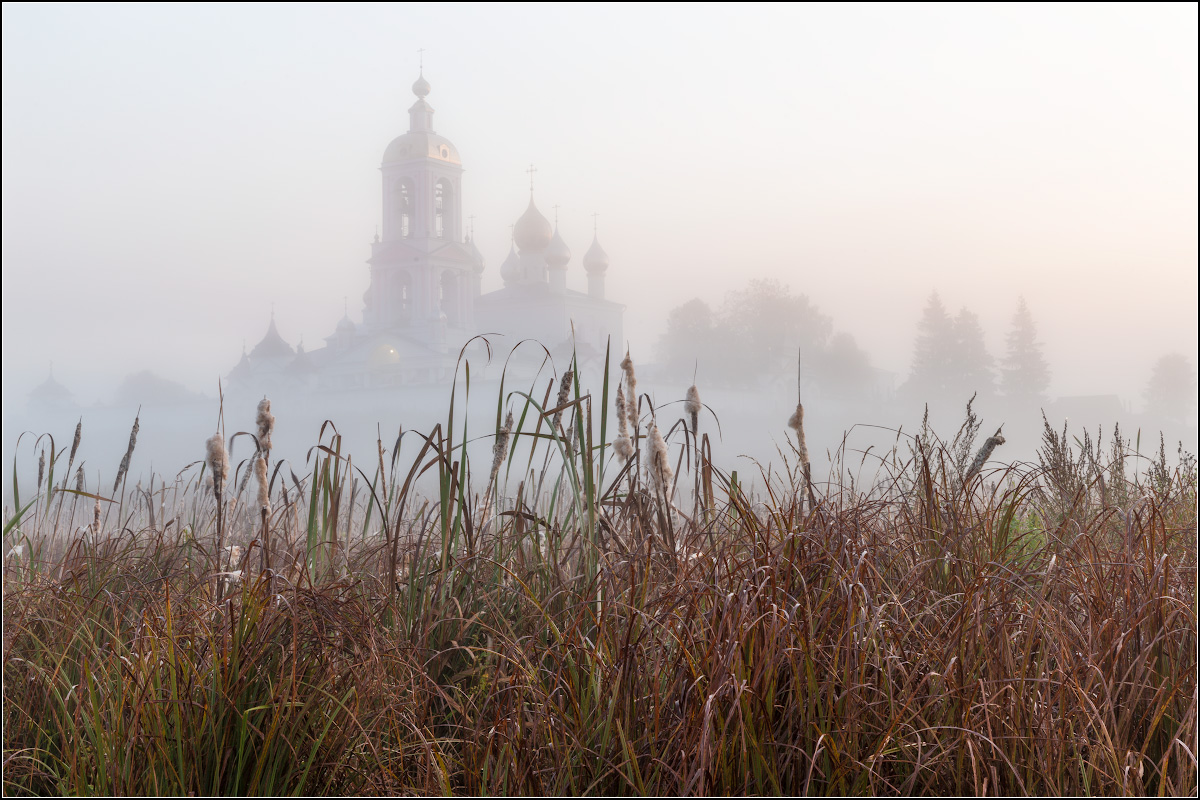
477,261
595,260
271,346
558,255
532,232
51,392
510,270
420,86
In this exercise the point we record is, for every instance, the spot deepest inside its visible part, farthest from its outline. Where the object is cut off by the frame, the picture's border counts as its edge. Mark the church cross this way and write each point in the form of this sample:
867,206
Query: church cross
594,215
531,170
472,219
556,207
421,57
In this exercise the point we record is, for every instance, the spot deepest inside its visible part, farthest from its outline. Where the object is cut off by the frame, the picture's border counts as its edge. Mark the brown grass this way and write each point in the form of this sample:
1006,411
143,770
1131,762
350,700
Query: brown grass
924,635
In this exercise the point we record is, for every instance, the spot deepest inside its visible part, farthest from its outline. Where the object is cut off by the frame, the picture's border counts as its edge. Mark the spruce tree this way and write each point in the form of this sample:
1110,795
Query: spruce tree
1024,375
933,353
1171,391
973,368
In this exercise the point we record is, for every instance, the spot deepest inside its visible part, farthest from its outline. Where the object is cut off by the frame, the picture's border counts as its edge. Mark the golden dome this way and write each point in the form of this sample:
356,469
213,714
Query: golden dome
532,232
420,144
421,86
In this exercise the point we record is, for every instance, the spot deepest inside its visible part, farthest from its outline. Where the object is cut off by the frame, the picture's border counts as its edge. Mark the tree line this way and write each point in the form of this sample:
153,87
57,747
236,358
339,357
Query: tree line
756,332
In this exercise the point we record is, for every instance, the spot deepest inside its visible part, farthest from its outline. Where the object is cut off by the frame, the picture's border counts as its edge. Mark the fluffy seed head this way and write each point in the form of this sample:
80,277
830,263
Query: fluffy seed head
79,483
41,469
660,461
96,517
692,405
218,463
266,425
631,390
796,423
260,476
622,414
623,447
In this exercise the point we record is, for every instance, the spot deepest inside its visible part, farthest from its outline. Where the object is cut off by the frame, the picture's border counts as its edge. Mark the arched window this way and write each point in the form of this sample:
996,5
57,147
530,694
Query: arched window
441,192
402,203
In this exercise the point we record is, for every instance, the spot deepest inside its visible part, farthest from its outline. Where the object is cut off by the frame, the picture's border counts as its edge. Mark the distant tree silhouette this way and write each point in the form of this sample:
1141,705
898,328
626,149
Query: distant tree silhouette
690,335
1171,390
756,334
1024,375
768,323
972,366
844,369
933,353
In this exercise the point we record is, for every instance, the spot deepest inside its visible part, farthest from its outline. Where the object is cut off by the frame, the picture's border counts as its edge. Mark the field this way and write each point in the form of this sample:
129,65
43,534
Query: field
603,610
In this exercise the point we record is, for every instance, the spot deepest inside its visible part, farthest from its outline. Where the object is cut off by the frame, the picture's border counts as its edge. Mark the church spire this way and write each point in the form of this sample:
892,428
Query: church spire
420,115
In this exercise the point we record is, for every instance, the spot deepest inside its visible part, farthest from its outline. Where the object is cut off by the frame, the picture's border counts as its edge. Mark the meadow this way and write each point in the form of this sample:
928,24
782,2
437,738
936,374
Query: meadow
601,609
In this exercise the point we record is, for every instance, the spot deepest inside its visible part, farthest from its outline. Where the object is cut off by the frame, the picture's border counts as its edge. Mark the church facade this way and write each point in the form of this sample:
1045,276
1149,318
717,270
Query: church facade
425,297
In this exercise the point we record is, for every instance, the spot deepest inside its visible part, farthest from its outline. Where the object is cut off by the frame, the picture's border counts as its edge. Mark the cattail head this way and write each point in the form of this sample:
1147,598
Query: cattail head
985,452
660,460
79,482
623,447
622,414
128,454
218,463
96,518
75,443
260,477
266,426
796,423
41,469
564,391
692,406
631,391
500,448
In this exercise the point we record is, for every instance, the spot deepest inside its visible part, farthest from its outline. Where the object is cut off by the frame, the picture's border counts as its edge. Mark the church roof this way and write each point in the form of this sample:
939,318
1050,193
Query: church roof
421,144
272,345
51,391
243,368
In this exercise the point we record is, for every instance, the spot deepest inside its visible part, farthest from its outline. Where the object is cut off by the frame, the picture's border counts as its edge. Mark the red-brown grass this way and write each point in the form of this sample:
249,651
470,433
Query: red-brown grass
921,635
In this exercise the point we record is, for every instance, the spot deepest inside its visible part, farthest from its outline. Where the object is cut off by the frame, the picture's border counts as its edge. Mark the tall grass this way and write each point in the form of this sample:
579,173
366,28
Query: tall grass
569,627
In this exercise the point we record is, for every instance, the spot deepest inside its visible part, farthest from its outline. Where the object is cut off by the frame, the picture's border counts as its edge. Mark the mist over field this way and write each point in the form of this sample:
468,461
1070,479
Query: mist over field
770,183
564,400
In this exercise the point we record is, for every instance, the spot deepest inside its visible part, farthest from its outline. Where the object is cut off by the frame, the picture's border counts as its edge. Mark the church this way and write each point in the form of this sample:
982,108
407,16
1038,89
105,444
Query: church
425,297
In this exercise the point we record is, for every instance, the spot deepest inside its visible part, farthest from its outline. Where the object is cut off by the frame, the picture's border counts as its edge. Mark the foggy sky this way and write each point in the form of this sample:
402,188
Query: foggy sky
170,173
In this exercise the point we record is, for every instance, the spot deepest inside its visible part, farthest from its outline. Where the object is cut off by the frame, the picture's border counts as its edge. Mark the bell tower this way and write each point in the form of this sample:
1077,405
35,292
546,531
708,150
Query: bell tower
422,271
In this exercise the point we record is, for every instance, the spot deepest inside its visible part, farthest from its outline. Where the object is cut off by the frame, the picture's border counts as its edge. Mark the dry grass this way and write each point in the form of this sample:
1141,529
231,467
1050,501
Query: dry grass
1020,632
